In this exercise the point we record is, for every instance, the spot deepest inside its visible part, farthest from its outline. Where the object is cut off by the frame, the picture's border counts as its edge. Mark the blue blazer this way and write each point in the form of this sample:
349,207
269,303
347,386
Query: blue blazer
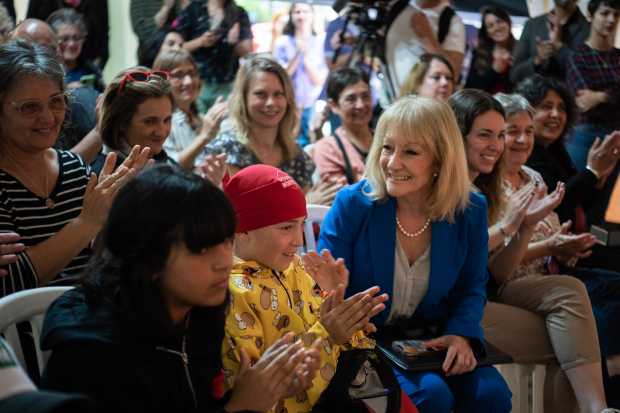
363,232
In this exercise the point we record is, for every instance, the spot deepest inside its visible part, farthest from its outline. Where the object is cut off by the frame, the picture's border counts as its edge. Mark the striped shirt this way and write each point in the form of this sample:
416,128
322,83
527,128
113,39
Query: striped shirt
25,213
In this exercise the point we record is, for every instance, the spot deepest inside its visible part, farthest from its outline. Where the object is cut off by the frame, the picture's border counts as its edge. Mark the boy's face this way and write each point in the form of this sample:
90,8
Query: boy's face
274,246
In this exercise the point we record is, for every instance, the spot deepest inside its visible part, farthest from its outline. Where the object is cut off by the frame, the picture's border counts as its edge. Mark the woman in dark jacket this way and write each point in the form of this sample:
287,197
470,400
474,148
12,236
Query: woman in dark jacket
144,330
492,59
555,118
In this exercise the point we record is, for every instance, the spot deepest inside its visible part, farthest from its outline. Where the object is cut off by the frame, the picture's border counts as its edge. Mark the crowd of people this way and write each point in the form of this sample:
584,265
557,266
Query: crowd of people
174,198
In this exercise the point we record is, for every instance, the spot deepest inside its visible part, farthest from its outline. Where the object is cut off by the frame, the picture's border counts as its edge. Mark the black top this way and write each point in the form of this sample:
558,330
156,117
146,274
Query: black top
81,116
96,14
574,32
100,351
218,63
97,165
579,188
27,214
486,80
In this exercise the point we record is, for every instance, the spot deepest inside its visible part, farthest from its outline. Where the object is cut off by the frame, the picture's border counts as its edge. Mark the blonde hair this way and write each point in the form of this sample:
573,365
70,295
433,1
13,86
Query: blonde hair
415,78
431,124
240,123
168,61
118,109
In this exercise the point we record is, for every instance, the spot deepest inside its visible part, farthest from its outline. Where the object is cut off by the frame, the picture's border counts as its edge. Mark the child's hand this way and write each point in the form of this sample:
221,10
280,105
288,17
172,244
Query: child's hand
213,168
307,372
259,387
326,271
353,314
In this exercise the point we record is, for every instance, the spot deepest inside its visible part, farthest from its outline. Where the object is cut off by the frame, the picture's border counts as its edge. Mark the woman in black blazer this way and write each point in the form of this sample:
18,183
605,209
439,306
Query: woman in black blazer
492,59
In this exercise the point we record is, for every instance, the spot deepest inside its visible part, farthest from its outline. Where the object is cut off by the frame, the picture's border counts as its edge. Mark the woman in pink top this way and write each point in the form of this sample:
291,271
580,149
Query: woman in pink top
343,154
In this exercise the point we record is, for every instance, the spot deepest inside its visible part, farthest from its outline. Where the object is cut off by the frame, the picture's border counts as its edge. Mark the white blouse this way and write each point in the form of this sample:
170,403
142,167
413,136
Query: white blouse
181,136
410,283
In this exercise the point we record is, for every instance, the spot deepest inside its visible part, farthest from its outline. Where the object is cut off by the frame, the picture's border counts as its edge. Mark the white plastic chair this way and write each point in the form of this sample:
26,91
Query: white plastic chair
316,215
517,377
31,306
309,150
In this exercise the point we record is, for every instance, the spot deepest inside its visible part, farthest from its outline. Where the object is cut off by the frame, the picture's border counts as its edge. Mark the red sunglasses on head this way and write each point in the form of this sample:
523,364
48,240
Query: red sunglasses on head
144,77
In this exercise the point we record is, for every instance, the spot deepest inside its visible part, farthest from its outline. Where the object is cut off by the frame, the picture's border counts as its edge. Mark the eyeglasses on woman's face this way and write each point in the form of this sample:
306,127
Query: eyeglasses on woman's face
33,108
180,75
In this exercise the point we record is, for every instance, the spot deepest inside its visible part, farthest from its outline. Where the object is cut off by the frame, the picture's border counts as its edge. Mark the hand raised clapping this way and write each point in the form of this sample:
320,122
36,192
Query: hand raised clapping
326,271
9,247
213,168
564,245
543,204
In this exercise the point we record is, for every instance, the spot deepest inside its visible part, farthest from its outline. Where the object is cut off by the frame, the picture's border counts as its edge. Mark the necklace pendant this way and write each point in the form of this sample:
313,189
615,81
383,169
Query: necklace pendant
50,203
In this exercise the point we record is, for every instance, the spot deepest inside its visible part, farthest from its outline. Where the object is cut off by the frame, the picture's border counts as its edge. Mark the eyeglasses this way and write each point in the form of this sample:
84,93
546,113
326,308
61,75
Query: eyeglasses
67,39
33,108
178,76
141,77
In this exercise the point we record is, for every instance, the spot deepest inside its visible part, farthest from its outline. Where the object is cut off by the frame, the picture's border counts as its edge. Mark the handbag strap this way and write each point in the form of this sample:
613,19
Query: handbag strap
347,164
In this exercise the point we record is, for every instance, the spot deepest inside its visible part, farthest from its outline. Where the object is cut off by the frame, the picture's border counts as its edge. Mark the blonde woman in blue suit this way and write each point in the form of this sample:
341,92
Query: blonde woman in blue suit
414,228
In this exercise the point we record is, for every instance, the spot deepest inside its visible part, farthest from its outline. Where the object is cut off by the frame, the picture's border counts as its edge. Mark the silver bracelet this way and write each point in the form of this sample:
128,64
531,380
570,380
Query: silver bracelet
589,168
504,232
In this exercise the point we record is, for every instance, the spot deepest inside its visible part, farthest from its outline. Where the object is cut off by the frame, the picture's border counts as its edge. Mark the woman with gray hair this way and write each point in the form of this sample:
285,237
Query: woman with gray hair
47,195
71,30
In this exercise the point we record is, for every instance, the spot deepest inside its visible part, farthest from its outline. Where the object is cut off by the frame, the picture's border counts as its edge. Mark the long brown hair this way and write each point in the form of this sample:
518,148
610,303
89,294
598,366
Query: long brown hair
485,43
411,85
467,105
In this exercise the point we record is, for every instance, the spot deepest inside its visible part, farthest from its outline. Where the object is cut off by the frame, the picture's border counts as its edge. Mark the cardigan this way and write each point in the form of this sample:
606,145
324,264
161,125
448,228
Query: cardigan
363,232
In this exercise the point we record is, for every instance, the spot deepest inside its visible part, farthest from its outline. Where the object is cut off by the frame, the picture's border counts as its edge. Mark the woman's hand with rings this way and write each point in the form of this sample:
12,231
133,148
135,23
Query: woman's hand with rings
326,271
589,99
9,249
459,352
603,156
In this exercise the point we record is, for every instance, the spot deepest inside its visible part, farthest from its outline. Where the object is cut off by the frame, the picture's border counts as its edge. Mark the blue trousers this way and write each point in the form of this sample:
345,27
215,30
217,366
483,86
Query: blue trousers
482,390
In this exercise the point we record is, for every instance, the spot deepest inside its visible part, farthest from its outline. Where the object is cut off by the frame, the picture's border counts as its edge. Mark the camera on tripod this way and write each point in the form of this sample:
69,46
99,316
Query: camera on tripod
368,14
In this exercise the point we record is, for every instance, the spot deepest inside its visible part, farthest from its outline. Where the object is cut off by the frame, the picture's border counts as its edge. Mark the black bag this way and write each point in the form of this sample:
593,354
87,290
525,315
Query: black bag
363,379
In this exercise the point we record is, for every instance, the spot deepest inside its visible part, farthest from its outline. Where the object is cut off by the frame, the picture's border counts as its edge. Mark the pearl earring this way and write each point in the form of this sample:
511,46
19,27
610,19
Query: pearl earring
435,174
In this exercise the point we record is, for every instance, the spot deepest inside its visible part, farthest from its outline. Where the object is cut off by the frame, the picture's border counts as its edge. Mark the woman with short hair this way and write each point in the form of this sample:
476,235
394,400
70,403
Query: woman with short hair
161,40
431,77
416,206
60,206
190,130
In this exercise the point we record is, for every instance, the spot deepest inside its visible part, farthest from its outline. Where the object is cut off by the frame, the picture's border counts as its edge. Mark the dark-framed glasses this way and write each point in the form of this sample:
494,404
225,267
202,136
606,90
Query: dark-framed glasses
178,76
144,77
33,108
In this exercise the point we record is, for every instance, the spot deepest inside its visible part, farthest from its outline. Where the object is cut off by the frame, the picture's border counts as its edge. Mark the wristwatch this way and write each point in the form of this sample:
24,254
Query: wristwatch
589,168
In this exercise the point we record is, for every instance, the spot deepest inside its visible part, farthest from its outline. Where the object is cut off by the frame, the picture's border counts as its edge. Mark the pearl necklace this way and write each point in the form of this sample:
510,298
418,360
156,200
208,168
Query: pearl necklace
428,221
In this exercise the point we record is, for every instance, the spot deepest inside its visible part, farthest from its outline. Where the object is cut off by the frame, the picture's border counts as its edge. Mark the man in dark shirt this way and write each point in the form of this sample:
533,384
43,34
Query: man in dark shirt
547,40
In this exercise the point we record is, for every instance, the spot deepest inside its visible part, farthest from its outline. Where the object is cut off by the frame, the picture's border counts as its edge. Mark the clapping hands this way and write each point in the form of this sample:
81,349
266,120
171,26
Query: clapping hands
326,271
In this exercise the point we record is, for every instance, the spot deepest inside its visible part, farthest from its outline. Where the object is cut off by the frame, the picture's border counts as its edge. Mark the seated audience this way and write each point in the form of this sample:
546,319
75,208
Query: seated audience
343,154
96,14
190,130
143,331
70,28
267,270
431,77
161,40
6,24
61,206
300,51
492,59
593,74
261,128
136,110
553,122
416,206
82,137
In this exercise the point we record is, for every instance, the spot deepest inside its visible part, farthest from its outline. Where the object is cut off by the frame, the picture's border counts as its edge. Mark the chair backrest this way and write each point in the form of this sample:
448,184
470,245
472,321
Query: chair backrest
316,215
31,306
309,150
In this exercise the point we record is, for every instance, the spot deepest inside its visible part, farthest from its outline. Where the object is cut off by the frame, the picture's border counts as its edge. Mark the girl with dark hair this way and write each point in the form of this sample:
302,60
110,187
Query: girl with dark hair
144,330
300,51
492,59
218,33
554,119
161,40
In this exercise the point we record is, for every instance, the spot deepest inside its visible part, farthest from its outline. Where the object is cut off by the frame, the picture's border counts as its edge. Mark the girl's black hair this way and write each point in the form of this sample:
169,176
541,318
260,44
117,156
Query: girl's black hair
595,4
155,210
147,52
289,28
342,77
535,89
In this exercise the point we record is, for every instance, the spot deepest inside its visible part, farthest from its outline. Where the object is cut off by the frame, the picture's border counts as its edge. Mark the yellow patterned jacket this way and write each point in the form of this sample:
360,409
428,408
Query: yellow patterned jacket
265,304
